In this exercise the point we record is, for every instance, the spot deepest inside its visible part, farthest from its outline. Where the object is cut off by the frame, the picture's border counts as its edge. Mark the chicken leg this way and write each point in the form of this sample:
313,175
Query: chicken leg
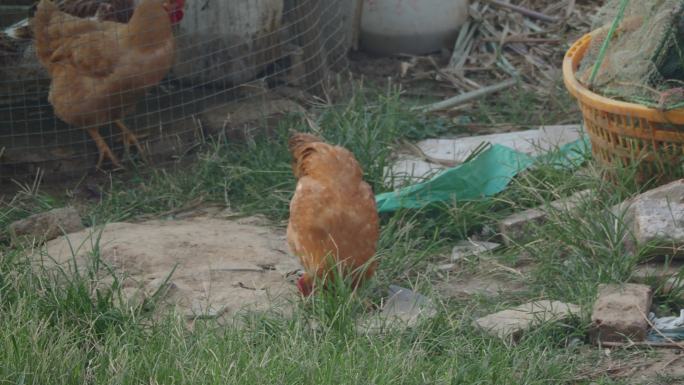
103,148
129,138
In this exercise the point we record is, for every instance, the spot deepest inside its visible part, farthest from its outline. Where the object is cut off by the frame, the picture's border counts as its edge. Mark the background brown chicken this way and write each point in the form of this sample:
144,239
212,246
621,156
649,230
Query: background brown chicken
99,69
119,11
332,213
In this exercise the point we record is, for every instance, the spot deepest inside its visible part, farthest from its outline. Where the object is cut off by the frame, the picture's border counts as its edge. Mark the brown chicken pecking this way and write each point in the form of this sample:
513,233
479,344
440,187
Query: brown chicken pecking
332,213
100,69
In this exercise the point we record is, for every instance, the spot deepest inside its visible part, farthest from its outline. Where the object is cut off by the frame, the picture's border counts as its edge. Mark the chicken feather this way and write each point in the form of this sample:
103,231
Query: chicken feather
332,213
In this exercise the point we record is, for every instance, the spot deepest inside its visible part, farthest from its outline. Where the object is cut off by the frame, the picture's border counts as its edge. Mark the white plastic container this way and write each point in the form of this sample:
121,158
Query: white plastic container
411,26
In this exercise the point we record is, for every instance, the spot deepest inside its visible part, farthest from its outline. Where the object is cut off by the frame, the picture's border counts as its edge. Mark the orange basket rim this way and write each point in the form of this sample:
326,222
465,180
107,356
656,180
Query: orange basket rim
571,62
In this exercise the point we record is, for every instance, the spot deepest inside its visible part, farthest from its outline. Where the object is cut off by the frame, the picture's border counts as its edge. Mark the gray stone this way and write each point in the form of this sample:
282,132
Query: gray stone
517,226
203,310
405,302
669,285
659,222
176,140
446,267
489,285
235,115
161,287
661,277
467,248
512,323
131,298
655,218
46,226
404,308
135,294
572,201
53,163
620,312
656,271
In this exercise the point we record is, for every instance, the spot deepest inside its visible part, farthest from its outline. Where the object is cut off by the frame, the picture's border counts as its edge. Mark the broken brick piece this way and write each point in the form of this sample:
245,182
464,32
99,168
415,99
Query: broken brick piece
620,311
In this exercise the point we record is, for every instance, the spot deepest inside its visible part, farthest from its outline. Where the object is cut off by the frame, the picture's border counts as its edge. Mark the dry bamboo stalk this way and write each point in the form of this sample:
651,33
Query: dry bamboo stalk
522,39
525,11
468,96
669,345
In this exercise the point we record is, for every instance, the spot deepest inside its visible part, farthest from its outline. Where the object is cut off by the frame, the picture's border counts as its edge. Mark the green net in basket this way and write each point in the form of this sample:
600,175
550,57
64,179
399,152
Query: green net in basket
643,61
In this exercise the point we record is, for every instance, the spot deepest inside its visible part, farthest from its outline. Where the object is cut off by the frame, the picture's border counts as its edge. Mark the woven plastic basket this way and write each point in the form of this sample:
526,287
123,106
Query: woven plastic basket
626,134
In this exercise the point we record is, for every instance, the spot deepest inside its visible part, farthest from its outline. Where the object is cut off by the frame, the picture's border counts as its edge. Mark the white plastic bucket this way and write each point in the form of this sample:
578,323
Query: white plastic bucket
411,26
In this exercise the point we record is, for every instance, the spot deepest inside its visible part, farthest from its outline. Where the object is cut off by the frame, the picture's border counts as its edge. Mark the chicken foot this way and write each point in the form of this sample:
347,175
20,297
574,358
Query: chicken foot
103,149
129,138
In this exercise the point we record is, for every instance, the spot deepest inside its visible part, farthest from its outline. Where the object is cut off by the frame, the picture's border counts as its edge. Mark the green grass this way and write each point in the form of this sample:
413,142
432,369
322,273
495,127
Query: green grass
60,333
67,327
527,108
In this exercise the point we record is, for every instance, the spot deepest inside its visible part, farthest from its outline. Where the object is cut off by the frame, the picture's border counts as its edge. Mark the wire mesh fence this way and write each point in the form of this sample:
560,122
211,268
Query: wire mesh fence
231,59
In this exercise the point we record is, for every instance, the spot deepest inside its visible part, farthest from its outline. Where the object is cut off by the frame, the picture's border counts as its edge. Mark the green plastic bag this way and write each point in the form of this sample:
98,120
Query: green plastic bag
486,175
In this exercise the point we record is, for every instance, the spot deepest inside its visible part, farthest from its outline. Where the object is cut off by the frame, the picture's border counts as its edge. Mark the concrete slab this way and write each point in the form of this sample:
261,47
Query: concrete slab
512,323
532,142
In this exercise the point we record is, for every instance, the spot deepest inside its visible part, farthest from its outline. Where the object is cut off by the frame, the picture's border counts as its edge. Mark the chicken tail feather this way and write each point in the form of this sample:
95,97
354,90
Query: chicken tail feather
300,147
41,29
299,139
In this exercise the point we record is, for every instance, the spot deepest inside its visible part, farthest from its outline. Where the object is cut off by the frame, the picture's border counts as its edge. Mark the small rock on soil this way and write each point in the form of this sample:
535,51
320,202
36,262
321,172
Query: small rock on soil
46,226
512,323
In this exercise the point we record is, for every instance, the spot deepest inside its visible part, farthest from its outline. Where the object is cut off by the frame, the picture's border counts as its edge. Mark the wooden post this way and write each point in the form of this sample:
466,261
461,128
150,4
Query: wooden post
356,25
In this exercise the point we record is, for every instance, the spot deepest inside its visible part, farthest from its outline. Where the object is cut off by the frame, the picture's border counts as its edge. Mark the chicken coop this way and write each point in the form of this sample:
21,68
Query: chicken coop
235,62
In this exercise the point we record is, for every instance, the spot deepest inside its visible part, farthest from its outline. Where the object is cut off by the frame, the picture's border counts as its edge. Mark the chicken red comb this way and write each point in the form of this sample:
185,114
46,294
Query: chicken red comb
304,287
177,12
